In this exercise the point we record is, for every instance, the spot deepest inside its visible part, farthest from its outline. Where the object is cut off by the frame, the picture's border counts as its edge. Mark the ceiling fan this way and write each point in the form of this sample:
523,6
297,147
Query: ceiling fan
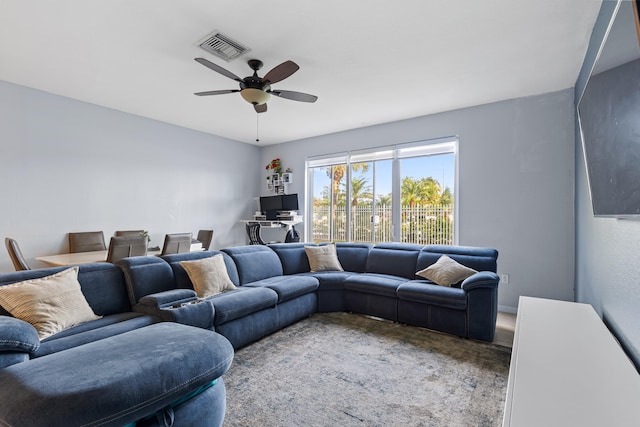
257,90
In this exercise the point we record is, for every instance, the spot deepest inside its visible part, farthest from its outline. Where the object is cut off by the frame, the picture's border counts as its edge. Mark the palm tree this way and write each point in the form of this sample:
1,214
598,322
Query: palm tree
425,191
337,174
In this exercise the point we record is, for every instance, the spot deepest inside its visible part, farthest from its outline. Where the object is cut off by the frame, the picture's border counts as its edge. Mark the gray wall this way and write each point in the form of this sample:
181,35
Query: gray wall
516,183
68,166
607,249
65,165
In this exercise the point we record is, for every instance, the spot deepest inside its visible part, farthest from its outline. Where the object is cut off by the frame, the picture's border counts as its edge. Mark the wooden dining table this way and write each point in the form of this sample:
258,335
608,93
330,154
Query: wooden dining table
80,258
93,256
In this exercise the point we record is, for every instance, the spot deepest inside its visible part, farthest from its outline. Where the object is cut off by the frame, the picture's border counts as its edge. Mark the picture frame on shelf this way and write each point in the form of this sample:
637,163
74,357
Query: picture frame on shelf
287,178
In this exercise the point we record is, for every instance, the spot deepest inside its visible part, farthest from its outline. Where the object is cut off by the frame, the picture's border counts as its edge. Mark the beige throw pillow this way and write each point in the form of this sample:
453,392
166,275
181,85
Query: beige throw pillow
51,304
323,258
446,272
208,275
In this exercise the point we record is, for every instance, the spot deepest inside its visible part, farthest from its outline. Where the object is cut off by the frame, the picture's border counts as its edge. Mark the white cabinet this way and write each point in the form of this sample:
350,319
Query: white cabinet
567,369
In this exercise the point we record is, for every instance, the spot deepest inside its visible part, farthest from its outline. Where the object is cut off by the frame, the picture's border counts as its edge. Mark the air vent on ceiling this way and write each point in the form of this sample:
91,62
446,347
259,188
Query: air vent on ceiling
223,46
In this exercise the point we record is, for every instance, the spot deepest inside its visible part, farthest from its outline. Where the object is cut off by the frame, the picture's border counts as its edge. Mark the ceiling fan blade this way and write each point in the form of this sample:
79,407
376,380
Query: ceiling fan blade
281,72
295,96
262,108
218,69
216,92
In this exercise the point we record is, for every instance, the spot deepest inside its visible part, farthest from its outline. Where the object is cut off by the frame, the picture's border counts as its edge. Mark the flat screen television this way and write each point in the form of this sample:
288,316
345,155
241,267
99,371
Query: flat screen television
609,114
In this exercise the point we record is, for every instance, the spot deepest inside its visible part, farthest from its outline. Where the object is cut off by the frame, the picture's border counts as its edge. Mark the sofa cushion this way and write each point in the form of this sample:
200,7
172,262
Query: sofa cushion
424,292
323,258
292,256
255,262
353,256
146,275
94,385
103,285
208,275
288,287
181,276
446,272
51,304
95,330
396,259
329,280
374,283
480,259
242,302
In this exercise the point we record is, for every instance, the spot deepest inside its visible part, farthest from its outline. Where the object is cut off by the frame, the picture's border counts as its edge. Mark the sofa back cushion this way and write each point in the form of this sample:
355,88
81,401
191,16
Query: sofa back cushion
146,275
255,262
353,256
397,259
292,257
480,259
182,278
102,285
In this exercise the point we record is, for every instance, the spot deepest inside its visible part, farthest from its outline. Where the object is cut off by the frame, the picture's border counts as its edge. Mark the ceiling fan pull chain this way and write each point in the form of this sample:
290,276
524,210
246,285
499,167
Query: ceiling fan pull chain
257,128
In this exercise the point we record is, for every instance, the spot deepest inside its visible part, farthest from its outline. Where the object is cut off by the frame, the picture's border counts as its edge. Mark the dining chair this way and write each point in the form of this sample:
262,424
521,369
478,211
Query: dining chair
126,246
15,254
205,237
176,243
129,232
253,231
86,241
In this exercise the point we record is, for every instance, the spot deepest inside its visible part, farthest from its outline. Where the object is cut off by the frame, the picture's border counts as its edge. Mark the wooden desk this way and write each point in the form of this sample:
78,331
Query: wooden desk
93,256
567,369
275,223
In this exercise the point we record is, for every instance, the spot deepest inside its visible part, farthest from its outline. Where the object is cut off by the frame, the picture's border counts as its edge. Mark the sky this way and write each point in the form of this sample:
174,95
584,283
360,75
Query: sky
440,167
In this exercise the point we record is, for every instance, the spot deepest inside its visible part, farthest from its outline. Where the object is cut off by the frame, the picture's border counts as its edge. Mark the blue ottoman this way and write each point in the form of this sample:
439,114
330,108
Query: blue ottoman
162,374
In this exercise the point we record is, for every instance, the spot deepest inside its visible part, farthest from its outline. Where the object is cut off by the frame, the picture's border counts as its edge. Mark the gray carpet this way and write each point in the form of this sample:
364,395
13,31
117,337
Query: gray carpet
341,369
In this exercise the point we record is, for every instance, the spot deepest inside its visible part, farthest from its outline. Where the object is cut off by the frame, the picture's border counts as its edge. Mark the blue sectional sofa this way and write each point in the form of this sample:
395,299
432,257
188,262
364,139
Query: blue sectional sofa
148,306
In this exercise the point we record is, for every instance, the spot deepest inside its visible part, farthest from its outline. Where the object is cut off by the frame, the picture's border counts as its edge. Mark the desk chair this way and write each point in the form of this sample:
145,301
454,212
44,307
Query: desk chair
129,232
87,241
176,243
126,246
205,237
19,263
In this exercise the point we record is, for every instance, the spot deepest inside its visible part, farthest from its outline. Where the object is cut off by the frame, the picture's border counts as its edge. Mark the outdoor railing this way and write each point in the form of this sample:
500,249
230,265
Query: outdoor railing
425,225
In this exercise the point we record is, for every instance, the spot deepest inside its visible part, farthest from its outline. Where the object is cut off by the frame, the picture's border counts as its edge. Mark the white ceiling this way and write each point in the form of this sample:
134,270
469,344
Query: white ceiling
368,61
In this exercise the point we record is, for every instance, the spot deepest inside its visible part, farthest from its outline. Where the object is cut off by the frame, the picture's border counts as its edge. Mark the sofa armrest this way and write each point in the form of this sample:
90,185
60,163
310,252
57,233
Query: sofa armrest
180,306
17,335
481,279
18,339
482,304
171,297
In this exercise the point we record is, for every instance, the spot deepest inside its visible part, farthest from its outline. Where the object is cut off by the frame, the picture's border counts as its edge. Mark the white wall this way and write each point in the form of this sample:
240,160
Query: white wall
69,166
516,183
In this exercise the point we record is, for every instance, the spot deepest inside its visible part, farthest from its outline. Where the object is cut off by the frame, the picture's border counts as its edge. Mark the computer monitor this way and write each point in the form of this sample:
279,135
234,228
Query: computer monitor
270,203
289,202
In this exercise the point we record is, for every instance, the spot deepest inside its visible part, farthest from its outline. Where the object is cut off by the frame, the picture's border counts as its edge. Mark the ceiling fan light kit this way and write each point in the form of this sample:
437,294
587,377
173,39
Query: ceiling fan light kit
256,90
255,96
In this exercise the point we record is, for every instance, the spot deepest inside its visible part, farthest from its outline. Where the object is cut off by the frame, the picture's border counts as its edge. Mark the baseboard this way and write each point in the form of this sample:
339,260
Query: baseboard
508,309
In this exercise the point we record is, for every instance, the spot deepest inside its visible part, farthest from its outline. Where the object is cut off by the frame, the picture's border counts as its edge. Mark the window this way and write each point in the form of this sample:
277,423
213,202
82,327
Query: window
403,193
